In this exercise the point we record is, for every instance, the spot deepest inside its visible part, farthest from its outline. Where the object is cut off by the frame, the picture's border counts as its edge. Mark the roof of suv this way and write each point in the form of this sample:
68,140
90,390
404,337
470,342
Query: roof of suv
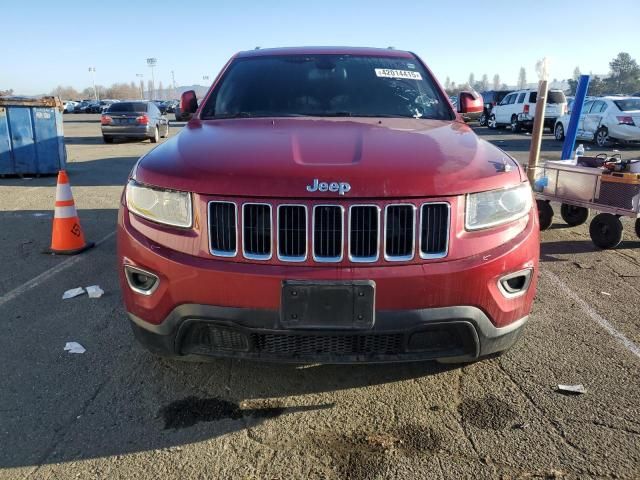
373,52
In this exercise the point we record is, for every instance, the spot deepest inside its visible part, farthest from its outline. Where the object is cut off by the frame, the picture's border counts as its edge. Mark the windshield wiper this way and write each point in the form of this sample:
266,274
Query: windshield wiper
235,115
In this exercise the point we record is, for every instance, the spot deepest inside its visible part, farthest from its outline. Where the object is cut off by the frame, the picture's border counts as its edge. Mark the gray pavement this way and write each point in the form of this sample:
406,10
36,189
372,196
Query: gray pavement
118,412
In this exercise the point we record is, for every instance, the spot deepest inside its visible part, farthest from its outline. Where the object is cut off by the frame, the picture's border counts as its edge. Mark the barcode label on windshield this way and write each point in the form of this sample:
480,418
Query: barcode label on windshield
388,73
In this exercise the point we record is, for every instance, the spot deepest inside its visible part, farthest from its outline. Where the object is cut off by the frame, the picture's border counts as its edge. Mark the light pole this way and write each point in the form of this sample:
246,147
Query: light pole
92,70
173,81
152,62
141,76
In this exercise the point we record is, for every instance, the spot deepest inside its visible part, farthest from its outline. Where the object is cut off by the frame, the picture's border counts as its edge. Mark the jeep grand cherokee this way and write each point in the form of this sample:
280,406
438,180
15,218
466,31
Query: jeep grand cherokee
327,205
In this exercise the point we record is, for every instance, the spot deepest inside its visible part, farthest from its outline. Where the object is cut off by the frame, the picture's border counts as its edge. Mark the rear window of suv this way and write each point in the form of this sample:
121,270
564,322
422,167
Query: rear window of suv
327,85
552,97
124,107
628,104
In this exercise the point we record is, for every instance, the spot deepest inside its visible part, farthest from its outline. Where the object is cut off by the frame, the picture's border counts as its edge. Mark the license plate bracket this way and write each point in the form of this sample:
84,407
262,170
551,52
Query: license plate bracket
331,305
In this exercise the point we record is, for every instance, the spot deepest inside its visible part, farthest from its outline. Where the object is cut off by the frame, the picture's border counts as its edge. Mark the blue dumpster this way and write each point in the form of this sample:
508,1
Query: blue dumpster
31,136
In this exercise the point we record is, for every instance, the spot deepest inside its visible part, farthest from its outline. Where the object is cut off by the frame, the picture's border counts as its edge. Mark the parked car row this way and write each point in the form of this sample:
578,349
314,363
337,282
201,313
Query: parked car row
92,106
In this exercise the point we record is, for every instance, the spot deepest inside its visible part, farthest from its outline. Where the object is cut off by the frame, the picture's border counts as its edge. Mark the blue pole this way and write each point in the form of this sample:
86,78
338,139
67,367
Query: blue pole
572,131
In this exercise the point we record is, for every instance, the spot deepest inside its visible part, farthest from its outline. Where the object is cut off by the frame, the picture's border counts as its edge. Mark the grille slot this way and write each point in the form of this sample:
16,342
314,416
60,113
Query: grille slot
434,232
292,233
256,233
281,344
222,229
327,233
399,232
364,233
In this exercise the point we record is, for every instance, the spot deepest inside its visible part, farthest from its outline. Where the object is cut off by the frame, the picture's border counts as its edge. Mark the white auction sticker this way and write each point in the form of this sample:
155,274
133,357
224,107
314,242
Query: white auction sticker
388,73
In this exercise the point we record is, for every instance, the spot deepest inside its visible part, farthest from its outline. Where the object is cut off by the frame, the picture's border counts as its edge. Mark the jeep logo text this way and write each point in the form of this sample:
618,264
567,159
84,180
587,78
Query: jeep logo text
340,187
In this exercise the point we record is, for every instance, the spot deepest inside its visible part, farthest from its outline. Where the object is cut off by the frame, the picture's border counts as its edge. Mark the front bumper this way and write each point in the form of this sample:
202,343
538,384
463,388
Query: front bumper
451,333
207,306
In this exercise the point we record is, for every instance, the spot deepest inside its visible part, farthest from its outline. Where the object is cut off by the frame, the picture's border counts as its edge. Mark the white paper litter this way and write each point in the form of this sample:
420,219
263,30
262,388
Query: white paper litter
74,347
94,291
572,388
606,293
74,292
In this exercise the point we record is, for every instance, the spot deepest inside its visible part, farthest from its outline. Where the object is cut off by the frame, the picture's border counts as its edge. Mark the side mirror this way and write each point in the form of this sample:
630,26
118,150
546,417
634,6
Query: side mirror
470,102
188,102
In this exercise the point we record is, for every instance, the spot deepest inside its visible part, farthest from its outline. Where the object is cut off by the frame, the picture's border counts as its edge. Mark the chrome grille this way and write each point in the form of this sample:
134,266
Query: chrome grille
327,233
292,233
256,233
434,232
395,230
364,233
222,229
399,232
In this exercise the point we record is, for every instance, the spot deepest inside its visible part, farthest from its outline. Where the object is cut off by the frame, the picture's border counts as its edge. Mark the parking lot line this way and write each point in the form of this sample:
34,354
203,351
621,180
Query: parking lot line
46,275
595,316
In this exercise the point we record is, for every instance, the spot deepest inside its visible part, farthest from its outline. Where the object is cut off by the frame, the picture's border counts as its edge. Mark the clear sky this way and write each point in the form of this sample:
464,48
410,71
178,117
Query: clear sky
45,43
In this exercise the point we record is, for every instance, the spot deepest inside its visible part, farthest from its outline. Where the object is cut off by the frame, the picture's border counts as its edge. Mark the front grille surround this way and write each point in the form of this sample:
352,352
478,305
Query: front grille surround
445,251
287,258
332,259
234,212
364,259
246,242
229,253
400,258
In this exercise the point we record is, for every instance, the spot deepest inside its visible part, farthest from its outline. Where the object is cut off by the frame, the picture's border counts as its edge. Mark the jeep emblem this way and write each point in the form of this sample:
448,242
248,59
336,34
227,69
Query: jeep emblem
340,187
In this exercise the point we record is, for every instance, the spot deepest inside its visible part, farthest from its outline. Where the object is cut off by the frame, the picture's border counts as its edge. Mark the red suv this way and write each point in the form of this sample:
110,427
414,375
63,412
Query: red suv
327,205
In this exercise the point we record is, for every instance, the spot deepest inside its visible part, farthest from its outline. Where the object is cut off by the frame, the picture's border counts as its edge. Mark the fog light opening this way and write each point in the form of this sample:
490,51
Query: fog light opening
515,284
141,281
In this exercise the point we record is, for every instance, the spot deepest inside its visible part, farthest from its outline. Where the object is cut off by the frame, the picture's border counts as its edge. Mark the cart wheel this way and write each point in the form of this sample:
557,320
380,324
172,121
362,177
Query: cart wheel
545,214
606,230
573,215
638,227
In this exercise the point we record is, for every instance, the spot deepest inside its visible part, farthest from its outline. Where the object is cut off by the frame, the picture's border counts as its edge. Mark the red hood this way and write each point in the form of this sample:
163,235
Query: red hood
280,157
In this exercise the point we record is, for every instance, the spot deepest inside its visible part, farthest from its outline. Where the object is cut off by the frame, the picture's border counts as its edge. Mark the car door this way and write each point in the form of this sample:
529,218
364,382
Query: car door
502,109
580,133
592,119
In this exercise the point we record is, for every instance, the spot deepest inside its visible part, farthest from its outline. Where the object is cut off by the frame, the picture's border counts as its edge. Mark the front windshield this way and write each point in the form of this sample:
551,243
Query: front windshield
326,85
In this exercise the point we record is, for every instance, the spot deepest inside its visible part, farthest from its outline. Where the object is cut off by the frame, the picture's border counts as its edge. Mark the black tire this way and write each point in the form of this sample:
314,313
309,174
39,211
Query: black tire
107,139
573,215
515,124
606,231
156,136
545,214
559,132
601,138
638,227
491,122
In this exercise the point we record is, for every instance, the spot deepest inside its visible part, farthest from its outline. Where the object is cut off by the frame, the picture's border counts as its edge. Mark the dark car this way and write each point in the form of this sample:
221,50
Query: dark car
491,99
83,106
134,120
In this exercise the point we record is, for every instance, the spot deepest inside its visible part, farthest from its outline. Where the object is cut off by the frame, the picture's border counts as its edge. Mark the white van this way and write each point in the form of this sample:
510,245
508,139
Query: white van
518,110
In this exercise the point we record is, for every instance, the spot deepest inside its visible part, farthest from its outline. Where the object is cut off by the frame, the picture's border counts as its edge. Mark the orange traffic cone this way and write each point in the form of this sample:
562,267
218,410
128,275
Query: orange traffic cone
67,237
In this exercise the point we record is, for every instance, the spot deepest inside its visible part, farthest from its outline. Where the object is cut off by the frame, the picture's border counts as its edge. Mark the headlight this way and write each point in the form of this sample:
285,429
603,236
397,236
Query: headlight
489,209
163,206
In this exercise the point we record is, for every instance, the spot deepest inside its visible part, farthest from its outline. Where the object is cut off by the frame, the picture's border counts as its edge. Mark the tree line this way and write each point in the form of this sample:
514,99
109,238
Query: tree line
120,91
623,78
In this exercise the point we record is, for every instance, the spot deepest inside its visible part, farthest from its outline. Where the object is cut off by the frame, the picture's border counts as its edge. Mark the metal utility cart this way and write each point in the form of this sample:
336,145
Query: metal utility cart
580,189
